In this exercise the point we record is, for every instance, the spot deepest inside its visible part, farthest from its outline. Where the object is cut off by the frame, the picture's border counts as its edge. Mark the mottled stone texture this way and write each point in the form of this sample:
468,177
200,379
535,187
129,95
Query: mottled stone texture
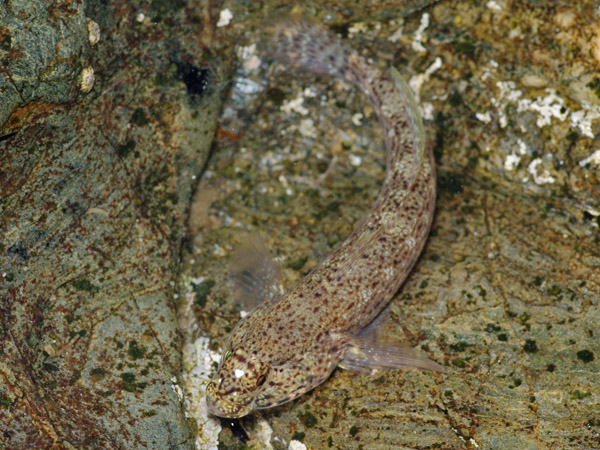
94,198
507,290
43,48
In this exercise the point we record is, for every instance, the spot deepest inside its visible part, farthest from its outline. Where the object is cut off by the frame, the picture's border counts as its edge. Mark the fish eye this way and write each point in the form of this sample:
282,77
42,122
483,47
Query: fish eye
227,355
261,380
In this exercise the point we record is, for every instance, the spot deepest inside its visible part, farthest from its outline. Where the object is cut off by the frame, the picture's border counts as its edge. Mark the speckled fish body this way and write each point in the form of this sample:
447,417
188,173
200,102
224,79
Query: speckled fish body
292,342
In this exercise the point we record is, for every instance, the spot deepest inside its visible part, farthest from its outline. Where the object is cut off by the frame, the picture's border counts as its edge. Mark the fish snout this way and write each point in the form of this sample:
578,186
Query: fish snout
223,406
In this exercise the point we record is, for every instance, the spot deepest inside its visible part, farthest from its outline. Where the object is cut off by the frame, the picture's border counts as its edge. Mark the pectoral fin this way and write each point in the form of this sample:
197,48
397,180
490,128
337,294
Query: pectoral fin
253,275
370,357
370,352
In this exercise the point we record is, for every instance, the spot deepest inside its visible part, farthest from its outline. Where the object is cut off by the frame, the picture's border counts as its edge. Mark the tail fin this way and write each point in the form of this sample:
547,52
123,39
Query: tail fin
309,47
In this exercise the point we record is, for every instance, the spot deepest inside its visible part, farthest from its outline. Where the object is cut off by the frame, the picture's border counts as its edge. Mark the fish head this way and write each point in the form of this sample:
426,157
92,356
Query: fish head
244,383
233,390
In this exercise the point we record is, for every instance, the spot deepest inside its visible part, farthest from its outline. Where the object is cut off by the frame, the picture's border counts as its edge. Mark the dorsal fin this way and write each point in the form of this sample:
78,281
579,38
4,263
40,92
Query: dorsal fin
414,116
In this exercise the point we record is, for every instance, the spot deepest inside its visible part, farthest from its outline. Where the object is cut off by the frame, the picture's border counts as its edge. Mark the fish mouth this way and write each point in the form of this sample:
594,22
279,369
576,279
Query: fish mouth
228,411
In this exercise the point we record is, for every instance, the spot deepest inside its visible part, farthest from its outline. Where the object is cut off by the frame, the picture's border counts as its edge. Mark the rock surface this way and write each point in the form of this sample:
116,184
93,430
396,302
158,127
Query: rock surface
507,291
43,49
95,191
96,187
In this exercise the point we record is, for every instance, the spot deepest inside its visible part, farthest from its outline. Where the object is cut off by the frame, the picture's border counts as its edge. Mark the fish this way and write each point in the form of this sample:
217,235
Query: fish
292,341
